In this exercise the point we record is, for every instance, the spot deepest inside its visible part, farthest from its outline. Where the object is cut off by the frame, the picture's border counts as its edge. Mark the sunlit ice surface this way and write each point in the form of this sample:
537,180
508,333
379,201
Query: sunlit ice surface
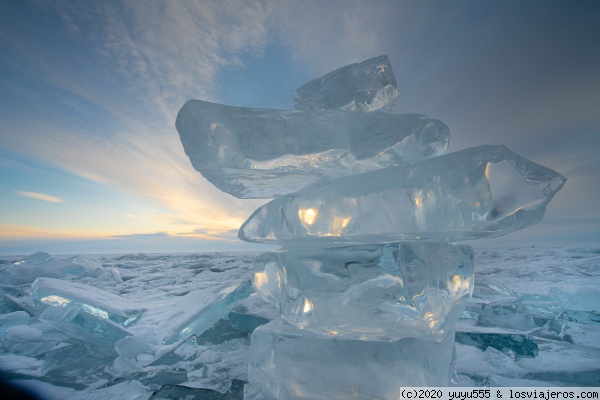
484,191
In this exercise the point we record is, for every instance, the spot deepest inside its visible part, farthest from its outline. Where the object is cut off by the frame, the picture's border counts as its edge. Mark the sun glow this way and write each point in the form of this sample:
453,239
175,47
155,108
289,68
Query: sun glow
55,300
260,279
308,306
338,225
308,215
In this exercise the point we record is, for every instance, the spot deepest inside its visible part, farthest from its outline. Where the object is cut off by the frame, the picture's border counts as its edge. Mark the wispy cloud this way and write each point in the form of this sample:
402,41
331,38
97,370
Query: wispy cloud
340,33
132,79
39,196
180,58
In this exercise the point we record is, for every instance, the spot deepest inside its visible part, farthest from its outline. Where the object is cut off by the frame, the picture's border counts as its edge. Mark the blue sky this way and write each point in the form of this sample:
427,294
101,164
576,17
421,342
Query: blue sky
90,160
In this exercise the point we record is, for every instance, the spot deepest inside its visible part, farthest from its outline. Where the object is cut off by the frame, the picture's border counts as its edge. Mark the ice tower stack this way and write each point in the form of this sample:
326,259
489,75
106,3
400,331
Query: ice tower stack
365,206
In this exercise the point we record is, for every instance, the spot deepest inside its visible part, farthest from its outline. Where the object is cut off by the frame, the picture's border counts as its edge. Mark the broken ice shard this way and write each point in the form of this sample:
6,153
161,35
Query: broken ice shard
366,86
42,264
13,319
241,320
170,391
261,153
37,258
78,323
518,344
24,340
13,299
291,363
221,332
199,310
483,191
578,327
56,292
577,297
506,313
66,361
380,292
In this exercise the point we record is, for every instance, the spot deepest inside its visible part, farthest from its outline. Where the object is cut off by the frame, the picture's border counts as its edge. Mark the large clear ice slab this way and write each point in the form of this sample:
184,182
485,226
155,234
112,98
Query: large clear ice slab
198,311
262,153
81,324
484,191
506,313
366,86
291,363
379,292
103,304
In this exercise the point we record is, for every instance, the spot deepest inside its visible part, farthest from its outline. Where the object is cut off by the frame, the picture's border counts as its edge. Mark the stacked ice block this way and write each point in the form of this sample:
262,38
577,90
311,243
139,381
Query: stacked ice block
367,284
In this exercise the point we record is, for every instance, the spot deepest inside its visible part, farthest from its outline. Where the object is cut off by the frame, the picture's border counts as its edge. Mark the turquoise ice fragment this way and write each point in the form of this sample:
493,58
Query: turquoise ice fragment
518,344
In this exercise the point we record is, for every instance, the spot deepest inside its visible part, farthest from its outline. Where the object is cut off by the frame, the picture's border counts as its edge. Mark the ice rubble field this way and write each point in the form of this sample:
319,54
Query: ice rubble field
142,326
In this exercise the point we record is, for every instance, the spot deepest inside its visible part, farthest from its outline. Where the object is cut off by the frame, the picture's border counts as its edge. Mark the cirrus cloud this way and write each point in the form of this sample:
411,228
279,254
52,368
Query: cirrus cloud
39,196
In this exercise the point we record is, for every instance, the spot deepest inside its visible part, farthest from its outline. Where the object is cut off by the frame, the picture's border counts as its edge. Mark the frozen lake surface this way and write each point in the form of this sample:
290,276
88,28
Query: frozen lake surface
134,326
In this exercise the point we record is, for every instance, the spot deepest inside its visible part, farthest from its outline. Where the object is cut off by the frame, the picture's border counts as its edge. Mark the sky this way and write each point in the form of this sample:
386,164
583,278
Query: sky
91,162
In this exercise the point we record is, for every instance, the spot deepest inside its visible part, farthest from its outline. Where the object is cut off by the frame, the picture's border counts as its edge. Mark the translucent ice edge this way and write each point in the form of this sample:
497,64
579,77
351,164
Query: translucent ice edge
92,300
81,324
189,319
484,191
366,86
261,153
